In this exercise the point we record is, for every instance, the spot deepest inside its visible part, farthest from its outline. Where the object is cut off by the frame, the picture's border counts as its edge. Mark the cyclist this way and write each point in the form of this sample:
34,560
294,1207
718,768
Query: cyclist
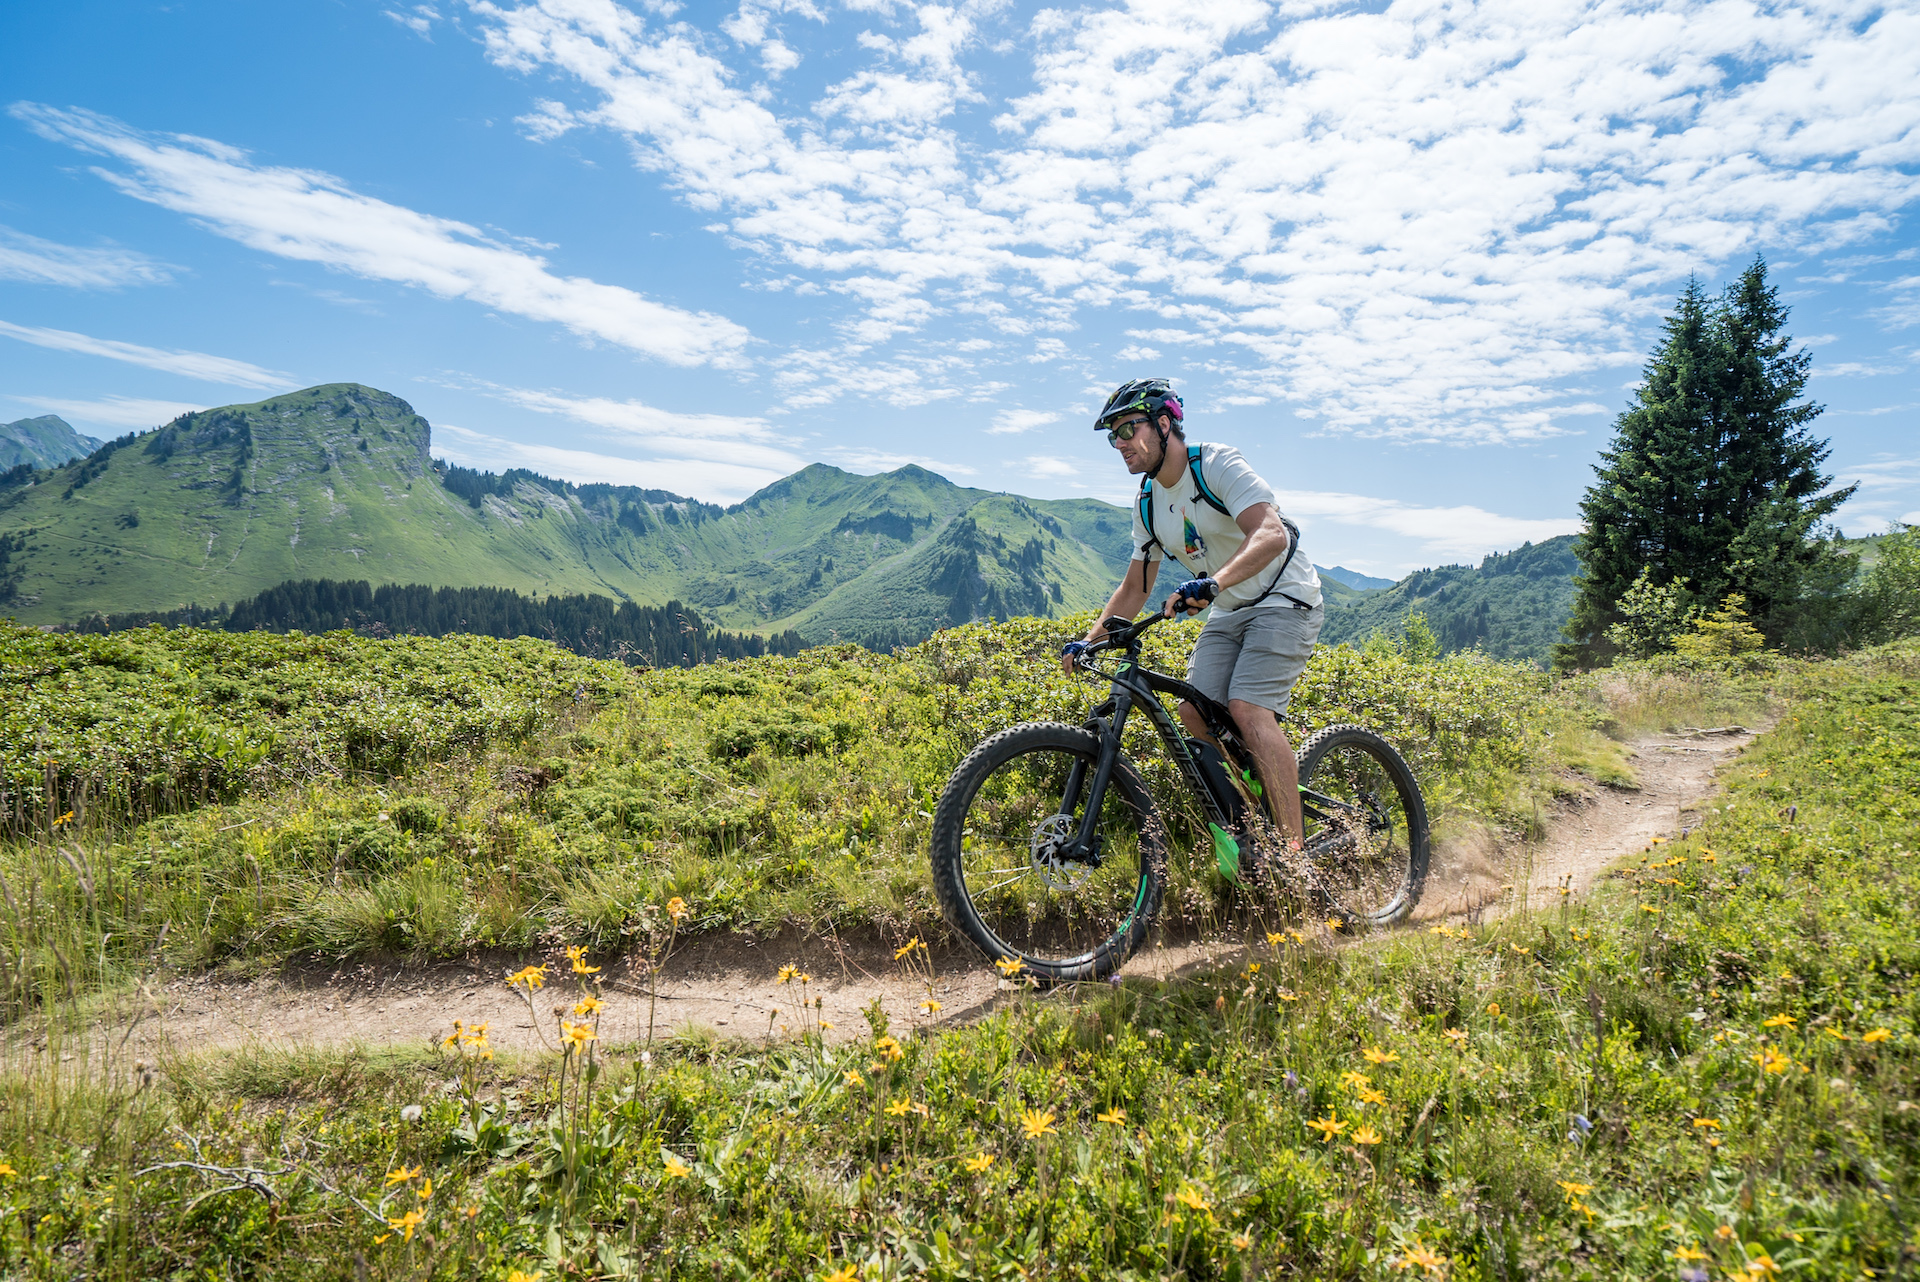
1203,505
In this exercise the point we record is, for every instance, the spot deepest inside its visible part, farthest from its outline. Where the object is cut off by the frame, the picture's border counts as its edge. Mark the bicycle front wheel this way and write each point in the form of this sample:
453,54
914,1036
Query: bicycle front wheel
1366,839
1007,869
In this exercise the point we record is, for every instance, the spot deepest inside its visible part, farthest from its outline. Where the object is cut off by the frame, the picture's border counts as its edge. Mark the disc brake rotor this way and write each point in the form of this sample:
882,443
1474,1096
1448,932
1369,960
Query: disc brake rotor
1054,835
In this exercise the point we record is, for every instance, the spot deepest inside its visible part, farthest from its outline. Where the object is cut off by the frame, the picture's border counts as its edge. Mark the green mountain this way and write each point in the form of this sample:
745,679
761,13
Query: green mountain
338,482
1511,605
47,441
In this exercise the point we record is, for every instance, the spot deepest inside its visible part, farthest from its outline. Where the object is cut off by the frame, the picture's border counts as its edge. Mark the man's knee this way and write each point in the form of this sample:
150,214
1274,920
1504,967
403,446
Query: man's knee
1256,721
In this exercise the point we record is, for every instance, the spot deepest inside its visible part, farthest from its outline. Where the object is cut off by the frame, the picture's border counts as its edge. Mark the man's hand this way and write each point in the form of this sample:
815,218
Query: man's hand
1070,654
1192,597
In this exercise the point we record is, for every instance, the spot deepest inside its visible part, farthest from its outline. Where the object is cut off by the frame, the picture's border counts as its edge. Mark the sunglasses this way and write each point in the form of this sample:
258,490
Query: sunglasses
1124,431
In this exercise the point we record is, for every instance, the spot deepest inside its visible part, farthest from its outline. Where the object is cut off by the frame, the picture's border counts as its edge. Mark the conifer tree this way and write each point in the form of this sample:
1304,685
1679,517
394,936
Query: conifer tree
1713,477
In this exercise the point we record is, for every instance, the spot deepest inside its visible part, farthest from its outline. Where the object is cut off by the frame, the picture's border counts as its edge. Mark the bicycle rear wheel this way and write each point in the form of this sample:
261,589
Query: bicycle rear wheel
1366,839
1002,867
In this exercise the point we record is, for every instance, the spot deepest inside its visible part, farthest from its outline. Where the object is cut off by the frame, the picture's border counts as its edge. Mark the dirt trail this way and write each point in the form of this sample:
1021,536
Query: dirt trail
728,984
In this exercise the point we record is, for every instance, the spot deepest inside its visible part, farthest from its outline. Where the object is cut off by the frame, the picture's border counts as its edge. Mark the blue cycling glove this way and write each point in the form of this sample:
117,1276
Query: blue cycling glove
1201,590
1074,649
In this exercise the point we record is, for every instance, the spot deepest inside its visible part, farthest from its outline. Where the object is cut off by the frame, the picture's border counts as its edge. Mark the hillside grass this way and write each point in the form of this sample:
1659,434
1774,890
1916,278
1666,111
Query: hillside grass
210,799
1705,1069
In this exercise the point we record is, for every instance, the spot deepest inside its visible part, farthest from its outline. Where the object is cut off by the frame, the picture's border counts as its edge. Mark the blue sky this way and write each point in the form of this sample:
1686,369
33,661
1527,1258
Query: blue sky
1408,257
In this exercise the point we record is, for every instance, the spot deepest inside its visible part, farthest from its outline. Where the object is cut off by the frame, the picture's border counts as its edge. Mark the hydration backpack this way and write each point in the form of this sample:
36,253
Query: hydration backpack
1205,493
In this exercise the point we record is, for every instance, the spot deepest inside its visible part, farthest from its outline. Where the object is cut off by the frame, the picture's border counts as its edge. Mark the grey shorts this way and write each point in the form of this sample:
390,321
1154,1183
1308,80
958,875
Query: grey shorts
1255,654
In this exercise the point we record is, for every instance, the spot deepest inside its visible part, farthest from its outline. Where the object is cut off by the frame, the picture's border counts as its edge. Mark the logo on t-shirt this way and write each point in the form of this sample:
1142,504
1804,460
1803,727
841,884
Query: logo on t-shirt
1196,546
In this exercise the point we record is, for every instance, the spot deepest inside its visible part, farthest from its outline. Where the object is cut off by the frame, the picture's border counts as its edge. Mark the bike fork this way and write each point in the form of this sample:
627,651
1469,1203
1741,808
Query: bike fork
1102,774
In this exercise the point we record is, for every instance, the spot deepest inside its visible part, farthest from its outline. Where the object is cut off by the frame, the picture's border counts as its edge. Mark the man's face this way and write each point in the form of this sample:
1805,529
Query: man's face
1142,451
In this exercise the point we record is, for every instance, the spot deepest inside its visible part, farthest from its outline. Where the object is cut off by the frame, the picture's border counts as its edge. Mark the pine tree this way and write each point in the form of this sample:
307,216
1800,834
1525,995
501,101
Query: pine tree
1713,477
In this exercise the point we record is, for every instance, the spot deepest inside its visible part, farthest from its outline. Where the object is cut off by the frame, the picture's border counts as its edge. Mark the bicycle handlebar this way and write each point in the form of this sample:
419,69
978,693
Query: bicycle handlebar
1122,633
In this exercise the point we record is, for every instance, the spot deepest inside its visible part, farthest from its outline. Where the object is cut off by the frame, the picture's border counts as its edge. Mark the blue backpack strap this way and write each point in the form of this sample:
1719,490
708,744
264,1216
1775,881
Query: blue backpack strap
1146,519
1200,485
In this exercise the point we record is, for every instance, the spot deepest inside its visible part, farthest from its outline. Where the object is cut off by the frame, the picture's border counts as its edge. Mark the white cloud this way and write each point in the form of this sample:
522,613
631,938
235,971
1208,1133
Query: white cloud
702,478
114,411
208,369
1012,422
1420,222
419,20
45,262
315,217
1041,465
1451,533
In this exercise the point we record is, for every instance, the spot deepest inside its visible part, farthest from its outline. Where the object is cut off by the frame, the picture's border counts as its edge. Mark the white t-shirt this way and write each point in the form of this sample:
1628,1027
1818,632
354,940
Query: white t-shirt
1202,538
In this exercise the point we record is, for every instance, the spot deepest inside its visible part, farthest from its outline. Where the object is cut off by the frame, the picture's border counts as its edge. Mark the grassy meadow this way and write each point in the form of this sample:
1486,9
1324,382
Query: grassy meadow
1704,1069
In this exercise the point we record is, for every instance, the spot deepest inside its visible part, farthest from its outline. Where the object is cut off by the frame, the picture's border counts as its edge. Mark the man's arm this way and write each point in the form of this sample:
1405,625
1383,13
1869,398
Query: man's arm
1266,543
1125,603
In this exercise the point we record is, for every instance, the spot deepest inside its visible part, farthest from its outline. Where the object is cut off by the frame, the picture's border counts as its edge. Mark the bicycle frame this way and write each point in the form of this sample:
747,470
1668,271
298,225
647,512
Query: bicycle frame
1135,685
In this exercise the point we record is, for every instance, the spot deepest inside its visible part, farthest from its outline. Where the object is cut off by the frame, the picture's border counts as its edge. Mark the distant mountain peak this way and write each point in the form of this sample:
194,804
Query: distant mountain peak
1354,579
47,441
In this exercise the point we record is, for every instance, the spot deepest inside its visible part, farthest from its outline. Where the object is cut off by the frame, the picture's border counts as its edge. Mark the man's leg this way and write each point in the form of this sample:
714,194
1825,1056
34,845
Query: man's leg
1273,756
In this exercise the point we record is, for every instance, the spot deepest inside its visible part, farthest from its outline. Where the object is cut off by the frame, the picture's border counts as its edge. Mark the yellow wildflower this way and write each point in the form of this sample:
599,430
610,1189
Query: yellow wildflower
1421,1258
676,908
1778,1021
1036,1123
1334,923
887,1046
1761,1265
1375,1056
1493,1009
589,1006
1368,1095
899,1108
63,819
1188,1196
1877,1035
1724,1232
531,977
1274,938
1355,1080
515,1275
1010,966
1837,1035
1241,1241
852,1078
426,1189
578,956
845,1273
1112,1117
406,1224
1771,1060
1328,1127
1458,1036
930,1006
6,1169
1286,995
978,1163
576,1036
1573,1190
907,948
1688,1253
402,1175
1366,1135
787,974
677,1169
1518,949
1706,1123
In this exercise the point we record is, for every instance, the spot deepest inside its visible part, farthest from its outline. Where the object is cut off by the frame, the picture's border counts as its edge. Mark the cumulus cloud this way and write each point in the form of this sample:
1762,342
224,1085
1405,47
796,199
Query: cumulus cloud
1421,222
1444,533
315,217
46,262
114,411
208,369
1012,422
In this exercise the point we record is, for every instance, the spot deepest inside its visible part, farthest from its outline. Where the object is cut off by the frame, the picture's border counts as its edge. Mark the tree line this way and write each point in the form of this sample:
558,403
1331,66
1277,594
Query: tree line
1708,524
671,635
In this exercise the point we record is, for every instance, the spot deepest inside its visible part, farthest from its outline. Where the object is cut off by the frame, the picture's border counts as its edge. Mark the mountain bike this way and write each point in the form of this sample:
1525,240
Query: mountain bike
1048,847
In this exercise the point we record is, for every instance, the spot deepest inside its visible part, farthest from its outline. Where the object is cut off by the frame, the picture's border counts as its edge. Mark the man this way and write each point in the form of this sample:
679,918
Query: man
1218,520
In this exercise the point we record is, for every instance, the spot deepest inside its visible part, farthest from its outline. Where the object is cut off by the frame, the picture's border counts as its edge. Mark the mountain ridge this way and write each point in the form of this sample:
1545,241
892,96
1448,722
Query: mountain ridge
339,482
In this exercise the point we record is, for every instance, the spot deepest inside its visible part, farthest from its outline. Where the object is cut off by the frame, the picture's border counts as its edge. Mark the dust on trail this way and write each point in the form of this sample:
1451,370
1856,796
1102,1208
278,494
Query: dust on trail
728,984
